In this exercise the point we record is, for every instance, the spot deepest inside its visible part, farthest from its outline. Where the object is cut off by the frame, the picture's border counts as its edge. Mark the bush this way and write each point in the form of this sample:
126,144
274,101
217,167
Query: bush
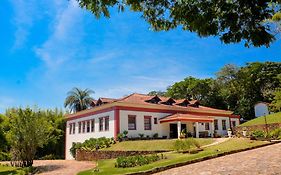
120,137
5,156
92,144
275,134
258,134
186,144
155,136
139,160
141,135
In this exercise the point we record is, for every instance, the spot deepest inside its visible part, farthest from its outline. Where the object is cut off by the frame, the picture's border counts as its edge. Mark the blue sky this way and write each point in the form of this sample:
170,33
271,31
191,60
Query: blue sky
48,47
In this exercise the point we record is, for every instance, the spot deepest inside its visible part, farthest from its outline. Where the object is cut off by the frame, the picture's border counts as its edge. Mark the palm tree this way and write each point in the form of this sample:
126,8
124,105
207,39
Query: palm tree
78,99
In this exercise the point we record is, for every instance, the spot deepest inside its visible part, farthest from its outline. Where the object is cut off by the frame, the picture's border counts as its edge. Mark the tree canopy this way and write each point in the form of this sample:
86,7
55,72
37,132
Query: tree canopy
231,20
234,88
78,99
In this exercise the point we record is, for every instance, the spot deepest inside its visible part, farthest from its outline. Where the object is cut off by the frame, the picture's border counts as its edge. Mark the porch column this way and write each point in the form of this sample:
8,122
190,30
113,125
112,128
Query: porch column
197,129
212,128
179,129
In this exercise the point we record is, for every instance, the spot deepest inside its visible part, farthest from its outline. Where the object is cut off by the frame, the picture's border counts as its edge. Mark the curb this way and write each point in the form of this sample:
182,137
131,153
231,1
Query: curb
159,169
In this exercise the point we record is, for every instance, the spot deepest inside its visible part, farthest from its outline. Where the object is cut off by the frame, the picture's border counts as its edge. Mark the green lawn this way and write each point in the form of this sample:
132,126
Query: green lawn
107,166
272,118
7,170
151,145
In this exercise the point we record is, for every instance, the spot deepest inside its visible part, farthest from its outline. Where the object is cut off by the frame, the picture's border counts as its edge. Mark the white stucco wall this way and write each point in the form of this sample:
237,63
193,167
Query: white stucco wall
220,130
261,109
81,137
161,129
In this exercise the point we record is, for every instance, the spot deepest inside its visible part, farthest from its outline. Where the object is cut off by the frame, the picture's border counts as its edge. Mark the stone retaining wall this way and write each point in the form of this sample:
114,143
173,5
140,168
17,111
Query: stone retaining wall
83,155
238,130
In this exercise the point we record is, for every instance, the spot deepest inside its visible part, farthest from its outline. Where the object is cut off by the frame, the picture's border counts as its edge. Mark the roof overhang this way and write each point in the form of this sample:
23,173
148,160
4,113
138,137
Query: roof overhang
186,118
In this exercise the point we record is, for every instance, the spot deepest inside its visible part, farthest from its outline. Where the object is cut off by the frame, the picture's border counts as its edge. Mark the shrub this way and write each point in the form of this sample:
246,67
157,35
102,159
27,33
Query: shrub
5,156
141,135
125,133
155,135
139,160
258,134
186,144
120,137
275,134
92,144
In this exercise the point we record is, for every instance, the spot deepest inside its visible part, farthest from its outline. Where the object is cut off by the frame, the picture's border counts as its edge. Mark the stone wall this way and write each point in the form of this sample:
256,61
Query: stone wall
238,130
83,155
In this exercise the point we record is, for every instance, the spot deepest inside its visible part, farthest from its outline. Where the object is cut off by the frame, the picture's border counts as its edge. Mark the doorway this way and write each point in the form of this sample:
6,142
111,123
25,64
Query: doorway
174,130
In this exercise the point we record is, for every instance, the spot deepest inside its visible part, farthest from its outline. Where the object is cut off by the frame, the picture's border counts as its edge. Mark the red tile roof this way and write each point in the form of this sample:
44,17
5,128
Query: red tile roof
186,117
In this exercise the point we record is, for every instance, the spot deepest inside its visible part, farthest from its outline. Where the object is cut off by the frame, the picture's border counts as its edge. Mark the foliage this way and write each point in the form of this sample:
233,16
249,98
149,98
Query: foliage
120,137
125,133
155,135
276,103
106,167
5,156
78,99
29,130
275,134
185,144
258,134
139,160
234,88
232,21
92,144
141,135
158,93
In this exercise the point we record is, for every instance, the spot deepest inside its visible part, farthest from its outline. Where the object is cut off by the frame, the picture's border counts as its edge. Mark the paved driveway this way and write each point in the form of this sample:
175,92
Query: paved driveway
265,161
62,167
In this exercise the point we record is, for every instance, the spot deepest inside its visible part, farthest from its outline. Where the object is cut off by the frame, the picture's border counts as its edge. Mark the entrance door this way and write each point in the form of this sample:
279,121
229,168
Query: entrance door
174,130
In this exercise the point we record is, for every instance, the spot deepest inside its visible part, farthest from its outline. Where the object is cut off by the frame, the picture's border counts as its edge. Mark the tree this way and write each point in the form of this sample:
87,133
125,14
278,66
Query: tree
78,99
158,93
29,131
232,20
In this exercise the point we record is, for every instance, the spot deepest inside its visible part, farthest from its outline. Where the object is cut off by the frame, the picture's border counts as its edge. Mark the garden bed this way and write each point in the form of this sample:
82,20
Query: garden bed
175,159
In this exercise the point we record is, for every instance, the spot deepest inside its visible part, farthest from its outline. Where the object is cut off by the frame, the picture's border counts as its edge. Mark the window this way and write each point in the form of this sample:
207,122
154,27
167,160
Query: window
233,123
132,122
93,125
79,127
70,128
88,126
106,123
216,124
101,124
83,126
73,128
147,122
223,124
207,126
155,121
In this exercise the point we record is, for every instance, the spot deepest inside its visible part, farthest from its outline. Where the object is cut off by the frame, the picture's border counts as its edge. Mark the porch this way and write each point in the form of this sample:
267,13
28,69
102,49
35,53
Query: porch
189,124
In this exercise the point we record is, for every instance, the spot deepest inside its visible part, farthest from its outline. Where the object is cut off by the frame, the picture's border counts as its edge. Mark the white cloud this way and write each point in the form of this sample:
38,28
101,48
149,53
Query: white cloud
62,45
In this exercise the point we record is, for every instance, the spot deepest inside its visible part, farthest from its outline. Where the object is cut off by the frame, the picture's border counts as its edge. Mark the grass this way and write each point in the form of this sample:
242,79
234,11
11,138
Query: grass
8,170
151,145
107,166
272,118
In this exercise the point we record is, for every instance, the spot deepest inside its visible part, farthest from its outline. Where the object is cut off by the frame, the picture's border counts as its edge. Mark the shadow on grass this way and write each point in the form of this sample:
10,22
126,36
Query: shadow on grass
9,172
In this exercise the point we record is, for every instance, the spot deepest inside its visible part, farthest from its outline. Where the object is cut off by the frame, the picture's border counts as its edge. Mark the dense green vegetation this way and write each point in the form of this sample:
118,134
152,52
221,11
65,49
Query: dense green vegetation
8,170
235,88
152,145
255,22
28,133
92,144
108,166
272,118
138,160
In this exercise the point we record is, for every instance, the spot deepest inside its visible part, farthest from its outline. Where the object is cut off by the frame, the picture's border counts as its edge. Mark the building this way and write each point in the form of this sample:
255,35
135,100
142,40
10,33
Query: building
261,109
143,114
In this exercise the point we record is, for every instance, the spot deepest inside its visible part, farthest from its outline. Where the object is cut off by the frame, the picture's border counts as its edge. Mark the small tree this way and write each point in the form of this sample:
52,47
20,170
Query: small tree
29,131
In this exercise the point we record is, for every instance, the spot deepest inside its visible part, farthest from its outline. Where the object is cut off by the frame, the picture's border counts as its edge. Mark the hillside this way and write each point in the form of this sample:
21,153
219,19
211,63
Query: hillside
272,118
